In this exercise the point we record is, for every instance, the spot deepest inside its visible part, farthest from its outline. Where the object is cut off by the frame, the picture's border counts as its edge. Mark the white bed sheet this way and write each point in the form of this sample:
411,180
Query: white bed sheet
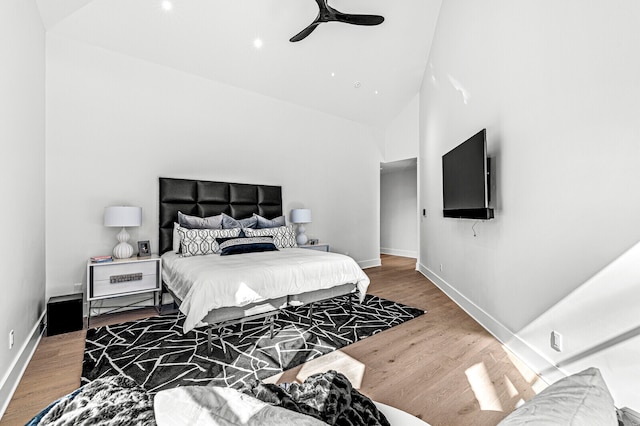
209,282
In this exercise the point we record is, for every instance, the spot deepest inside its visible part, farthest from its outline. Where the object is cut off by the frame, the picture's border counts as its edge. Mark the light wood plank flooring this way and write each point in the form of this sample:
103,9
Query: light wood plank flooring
441,367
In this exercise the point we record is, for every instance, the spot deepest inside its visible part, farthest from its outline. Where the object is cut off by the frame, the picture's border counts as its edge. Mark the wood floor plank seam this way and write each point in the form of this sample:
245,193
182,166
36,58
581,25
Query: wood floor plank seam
426,366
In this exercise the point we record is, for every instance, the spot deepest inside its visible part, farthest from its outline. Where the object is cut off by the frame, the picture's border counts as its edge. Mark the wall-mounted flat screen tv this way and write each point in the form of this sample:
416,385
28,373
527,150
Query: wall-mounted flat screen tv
465,179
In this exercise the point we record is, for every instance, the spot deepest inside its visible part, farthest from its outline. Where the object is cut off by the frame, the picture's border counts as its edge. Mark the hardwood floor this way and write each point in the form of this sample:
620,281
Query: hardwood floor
441,367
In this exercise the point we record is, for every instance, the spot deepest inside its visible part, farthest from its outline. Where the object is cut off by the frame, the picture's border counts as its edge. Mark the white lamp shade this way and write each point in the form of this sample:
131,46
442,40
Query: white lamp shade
301,216
122,216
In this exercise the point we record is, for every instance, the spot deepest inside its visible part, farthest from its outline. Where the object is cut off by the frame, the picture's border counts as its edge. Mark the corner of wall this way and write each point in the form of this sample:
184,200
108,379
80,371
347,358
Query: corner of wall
371,263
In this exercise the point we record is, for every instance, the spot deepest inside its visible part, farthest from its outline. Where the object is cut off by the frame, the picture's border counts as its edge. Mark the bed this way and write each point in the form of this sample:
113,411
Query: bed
214,290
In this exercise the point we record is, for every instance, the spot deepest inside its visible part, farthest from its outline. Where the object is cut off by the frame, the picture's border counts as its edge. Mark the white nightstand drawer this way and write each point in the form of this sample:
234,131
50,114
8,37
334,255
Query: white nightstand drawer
105,272
122,277
108,288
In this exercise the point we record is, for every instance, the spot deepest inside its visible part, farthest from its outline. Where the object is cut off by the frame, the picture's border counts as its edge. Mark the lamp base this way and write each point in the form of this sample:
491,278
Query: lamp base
124,249
302,238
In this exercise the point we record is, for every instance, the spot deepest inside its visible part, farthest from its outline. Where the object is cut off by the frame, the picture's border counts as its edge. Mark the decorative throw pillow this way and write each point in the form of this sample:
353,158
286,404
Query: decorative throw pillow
229,223
196,222
579,399
197,242
243,245
283,236
269,223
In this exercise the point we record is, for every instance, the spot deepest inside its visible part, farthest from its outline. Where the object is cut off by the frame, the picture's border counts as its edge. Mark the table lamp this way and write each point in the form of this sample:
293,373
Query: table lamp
122,216
301,216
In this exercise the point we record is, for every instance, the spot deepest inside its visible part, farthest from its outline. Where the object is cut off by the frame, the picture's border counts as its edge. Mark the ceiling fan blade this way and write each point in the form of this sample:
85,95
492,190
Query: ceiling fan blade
359,19
326,14
302,34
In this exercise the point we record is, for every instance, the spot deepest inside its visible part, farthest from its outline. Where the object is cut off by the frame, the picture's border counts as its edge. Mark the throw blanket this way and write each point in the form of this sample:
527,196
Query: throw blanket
326,397
329,397
110,401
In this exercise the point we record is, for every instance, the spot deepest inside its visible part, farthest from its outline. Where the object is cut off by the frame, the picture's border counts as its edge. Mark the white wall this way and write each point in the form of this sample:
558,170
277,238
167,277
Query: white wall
556,86
398,212
398,189
115,124
22,135
401,136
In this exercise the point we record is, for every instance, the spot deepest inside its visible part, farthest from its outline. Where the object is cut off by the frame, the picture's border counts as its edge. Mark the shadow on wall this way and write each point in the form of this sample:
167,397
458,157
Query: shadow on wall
600,324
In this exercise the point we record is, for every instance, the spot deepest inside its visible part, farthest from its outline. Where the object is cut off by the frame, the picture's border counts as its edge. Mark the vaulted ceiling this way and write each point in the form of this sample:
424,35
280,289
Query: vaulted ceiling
363,73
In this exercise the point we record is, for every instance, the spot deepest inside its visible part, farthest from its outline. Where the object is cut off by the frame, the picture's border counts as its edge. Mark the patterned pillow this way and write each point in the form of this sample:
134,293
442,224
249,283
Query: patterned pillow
243,245
197,242
269,223
283,236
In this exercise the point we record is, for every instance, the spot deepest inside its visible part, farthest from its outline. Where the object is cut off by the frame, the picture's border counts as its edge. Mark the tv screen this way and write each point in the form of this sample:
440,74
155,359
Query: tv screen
465,179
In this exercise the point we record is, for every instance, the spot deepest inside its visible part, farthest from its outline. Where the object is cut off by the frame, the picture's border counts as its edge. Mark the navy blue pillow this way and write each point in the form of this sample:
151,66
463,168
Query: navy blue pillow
243,245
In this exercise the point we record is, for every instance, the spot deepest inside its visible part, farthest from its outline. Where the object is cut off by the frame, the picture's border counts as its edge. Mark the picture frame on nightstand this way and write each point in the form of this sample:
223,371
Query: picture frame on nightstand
144,249
313,242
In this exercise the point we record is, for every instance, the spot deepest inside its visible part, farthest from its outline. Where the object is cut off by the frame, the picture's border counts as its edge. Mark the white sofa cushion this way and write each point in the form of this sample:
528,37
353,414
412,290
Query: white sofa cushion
579,399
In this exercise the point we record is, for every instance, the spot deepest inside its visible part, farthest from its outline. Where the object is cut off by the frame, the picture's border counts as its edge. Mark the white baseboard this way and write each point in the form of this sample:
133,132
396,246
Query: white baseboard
402,253
14,375
530,356
372,263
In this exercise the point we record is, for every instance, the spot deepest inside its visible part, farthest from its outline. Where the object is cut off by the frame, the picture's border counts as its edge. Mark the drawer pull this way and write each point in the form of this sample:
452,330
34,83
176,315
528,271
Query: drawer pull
125,278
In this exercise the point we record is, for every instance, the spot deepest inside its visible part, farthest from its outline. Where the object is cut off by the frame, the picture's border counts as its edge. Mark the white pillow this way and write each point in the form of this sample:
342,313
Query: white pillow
176,238
210,405
283,236
579,399
197,242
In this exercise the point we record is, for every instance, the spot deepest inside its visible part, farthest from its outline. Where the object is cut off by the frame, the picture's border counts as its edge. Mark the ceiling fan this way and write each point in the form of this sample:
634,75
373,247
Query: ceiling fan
327,14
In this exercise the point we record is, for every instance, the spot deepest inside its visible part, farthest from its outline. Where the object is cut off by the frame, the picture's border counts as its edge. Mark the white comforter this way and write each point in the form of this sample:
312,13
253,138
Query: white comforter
208,282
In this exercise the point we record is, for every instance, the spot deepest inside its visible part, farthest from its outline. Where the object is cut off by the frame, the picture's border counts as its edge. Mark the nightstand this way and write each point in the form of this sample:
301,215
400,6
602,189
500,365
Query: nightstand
123,277
319,247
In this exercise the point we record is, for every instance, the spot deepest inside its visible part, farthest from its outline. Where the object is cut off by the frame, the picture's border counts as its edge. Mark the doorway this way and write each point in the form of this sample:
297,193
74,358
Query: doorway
399,208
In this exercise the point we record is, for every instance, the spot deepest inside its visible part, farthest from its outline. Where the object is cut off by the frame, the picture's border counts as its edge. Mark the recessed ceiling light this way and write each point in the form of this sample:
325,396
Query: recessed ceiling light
357,85
333,74
167,5
375,92
257,43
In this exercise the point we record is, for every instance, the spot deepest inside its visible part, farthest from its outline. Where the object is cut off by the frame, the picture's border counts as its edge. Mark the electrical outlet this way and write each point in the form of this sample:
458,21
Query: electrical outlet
441,267
556,341
11,339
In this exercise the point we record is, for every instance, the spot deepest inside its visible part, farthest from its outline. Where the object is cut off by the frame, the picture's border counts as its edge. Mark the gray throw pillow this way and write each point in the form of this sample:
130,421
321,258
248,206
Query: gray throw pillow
196,222
229,223
269,223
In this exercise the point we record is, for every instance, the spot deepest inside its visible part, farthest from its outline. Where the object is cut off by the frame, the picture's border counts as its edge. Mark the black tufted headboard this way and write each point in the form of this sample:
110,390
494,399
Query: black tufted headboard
203,198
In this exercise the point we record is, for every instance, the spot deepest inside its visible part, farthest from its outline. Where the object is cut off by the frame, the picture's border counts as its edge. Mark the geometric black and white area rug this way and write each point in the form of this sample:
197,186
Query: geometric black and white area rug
157,355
